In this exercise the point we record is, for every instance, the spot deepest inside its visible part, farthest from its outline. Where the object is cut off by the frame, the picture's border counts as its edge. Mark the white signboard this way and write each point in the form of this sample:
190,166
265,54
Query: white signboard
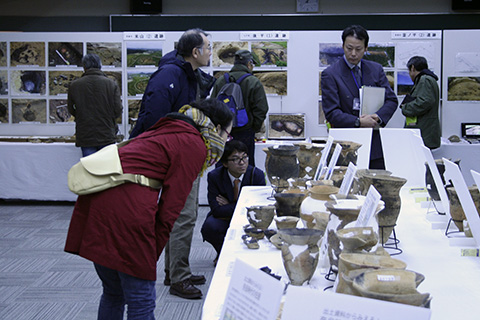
369,207
333,161
252,294
348,179
309,304
322,165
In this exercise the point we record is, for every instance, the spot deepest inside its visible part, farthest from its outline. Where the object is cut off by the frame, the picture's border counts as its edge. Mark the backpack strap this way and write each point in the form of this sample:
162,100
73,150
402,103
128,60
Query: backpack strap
243,77
226,75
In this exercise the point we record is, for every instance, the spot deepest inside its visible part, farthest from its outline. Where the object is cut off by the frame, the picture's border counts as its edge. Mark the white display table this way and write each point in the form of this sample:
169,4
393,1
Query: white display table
452,280
36,171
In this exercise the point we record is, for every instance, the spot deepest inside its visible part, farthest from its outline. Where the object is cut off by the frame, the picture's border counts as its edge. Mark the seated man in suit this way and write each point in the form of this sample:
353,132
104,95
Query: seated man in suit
224,185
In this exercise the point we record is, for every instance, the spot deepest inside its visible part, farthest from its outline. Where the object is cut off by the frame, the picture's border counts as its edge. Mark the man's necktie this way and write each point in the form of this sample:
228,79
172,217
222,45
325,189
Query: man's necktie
236,189
358,75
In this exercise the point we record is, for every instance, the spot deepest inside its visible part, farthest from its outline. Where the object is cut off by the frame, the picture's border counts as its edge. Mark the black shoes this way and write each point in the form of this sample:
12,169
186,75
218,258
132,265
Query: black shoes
185,289
195,280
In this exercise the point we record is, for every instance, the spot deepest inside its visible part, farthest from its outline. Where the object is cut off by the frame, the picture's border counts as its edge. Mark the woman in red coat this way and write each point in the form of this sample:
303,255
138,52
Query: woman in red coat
123,229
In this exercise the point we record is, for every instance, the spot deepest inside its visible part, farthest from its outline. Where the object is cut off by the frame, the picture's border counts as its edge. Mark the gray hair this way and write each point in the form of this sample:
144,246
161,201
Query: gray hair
91,60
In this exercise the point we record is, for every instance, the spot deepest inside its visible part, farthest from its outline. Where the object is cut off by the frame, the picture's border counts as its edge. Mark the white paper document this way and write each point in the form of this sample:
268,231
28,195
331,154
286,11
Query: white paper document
371,99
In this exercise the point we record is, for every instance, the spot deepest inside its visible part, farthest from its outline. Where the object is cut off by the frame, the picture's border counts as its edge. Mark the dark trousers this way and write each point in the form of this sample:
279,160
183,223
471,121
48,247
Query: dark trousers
119,289
214,231
247,137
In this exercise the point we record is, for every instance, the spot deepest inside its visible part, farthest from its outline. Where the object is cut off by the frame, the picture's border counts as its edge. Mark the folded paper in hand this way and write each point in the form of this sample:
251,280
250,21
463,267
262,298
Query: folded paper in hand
371,99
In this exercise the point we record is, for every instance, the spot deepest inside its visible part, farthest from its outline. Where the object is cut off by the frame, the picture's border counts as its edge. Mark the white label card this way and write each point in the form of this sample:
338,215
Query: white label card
310,304
333,162
348,179
369,207
323,159
252,294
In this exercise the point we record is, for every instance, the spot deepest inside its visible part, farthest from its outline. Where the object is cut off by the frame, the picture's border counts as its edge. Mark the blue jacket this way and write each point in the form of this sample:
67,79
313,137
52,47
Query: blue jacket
219,183
171,87
339,90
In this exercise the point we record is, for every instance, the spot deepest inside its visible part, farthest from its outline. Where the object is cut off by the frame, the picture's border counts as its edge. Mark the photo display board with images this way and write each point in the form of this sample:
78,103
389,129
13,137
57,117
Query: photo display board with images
37,68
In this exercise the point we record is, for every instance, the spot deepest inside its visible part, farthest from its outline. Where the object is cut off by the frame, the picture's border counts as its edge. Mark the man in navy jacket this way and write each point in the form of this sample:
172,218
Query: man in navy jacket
340,91
177,82
221,197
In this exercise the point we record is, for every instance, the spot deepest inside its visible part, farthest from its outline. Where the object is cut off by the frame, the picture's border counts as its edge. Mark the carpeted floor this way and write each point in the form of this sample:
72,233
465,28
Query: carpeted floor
40,281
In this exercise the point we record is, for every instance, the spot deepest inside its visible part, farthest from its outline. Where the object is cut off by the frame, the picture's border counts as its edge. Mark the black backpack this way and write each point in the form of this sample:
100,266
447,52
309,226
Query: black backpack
231,95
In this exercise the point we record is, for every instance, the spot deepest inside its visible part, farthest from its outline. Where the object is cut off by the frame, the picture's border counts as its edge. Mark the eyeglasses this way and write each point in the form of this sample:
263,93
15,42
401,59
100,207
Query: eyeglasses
238,160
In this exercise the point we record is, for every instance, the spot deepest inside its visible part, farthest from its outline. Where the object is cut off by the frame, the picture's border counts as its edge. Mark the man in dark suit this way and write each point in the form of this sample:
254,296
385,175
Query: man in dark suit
340,91
222,193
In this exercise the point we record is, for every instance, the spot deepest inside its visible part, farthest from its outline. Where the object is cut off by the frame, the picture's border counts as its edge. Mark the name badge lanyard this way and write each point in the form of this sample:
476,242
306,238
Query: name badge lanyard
356,101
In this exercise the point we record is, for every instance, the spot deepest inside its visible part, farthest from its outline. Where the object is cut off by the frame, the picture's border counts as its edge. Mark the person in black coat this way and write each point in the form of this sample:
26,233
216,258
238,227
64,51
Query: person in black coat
221,195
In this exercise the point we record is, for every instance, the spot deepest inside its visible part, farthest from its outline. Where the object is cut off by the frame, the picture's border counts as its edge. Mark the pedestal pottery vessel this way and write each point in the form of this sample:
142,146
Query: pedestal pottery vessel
389,188
456,210
282,162
288,204
300,253
261,216
430,183
308,157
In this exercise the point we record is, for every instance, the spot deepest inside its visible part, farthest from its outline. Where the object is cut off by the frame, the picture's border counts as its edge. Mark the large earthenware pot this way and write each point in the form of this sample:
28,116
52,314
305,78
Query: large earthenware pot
308,158
430,183
359,184
282,163
300,253
288,204
456,210
389,188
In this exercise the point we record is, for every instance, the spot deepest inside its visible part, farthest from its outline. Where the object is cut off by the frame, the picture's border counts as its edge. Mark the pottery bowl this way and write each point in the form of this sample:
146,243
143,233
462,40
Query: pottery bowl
286,222
288,203
261,216
390,285
300,236
322,192
255,233
358,238
352,261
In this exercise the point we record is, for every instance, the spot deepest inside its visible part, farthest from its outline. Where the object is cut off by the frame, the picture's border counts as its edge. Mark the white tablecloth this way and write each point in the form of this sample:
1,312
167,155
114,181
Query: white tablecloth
452,280
36,171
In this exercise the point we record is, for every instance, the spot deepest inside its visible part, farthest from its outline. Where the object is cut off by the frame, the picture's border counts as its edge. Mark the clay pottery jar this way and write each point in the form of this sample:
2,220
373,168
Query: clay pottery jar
315,201
300,253
282,162
359,184
389,188
348,154
456,210
356,239
261,216
309,156
286,222
320,220
288,203
430,183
